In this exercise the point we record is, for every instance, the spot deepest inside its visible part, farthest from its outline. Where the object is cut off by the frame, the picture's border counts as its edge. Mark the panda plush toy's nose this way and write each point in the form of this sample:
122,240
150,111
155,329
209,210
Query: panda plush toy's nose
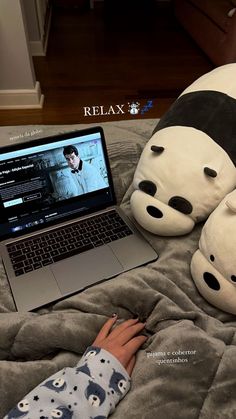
211,281
154,211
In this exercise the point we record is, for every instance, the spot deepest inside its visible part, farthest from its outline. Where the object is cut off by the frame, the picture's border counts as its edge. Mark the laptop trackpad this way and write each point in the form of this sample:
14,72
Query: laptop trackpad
76,273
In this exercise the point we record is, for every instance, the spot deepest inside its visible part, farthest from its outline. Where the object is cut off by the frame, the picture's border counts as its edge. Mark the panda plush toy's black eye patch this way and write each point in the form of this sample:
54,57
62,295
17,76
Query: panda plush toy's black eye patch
148,187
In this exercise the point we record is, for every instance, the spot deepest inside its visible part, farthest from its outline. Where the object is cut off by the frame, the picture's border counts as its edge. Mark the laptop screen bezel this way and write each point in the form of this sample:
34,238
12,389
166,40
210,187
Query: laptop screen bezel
55,138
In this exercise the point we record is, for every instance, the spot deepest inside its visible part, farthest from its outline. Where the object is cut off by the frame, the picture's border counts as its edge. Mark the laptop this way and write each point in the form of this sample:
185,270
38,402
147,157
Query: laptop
61,231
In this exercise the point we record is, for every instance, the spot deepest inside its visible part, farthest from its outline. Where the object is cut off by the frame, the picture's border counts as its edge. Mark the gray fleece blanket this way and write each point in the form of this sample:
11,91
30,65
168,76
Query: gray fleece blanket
187,367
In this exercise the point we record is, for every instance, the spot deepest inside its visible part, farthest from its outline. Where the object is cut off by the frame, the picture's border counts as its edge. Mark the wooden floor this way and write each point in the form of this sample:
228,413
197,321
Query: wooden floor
104,57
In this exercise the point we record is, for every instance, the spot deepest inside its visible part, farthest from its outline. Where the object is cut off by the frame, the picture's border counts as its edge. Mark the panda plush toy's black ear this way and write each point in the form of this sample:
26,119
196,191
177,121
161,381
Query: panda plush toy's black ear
157,149
210,172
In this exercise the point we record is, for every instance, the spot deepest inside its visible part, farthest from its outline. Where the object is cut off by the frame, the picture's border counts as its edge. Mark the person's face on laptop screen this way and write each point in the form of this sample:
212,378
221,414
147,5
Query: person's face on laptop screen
72,157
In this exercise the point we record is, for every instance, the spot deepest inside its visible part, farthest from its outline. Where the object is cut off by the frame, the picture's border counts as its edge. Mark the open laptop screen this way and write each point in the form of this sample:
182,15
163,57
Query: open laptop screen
52,179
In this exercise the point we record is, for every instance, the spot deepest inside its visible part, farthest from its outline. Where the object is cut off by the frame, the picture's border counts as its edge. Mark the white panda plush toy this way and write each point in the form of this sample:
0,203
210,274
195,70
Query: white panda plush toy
188,165
213,265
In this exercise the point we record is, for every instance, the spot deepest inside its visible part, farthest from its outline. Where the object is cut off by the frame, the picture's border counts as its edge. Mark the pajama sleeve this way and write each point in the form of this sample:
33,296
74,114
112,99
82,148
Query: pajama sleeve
90,390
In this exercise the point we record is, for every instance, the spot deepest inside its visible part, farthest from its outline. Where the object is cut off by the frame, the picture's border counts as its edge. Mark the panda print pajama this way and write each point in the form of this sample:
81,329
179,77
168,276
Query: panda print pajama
90,390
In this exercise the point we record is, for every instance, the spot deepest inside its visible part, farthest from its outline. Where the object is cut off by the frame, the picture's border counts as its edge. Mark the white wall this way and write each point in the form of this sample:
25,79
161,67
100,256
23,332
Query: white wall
18,85
16,69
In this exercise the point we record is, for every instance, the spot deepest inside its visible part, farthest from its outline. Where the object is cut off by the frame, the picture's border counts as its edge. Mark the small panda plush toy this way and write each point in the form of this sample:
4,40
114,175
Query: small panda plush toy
188,166
213,265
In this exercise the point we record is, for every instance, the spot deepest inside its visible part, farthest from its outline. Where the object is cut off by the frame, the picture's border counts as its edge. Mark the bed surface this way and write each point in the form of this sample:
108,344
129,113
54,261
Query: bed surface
187,367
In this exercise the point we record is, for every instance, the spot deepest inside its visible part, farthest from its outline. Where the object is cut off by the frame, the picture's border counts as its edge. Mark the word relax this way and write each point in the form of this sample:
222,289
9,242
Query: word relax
102,110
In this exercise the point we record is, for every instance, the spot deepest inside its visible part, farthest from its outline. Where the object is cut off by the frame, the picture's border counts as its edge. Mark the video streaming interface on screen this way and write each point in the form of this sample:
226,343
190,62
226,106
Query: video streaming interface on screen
43,183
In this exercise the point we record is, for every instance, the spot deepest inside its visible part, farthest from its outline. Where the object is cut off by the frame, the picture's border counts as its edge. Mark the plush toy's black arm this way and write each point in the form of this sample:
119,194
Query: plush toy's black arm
209,111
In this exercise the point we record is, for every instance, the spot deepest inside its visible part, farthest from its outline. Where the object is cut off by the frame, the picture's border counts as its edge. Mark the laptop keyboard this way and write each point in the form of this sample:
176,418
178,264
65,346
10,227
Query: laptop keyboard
60,243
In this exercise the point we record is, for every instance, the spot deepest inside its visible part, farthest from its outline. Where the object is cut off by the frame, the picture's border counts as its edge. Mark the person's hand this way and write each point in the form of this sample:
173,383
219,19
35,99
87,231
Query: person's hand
122,341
